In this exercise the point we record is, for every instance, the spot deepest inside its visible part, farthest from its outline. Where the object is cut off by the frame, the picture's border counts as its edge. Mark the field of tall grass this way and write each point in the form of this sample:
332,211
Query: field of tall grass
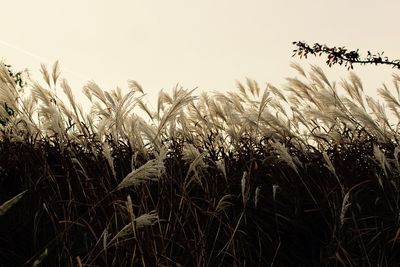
304,175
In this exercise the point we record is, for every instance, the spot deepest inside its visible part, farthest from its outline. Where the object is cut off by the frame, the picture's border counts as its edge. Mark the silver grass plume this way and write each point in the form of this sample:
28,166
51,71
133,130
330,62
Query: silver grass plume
11,202
150,171
285,156
143,220
345,205
224,203
381,158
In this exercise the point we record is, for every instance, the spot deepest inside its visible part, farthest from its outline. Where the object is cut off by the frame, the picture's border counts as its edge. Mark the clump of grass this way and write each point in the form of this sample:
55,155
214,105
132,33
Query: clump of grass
306,175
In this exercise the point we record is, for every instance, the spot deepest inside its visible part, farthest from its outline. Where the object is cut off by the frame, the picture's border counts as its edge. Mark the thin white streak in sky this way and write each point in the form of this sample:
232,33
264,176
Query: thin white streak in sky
43,60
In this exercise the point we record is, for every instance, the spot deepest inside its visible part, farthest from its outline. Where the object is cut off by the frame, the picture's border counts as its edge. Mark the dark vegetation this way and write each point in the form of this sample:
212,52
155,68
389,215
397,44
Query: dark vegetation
232,180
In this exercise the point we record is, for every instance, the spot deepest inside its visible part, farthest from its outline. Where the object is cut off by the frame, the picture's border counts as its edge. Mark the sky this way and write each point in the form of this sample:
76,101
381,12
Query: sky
207,44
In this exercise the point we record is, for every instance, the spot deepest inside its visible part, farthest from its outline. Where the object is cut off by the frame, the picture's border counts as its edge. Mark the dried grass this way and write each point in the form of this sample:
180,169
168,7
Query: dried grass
236,178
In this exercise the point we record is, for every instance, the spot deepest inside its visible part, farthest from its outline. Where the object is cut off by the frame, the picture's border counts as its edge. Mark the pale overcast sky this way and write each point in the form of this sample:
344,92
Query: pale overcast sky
206,44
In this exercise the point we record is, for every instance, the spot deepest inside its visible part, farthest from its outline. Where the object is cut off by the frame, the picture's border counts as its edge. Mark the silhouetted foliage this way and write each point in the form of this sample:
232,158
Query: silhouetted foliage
342,55
17,77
